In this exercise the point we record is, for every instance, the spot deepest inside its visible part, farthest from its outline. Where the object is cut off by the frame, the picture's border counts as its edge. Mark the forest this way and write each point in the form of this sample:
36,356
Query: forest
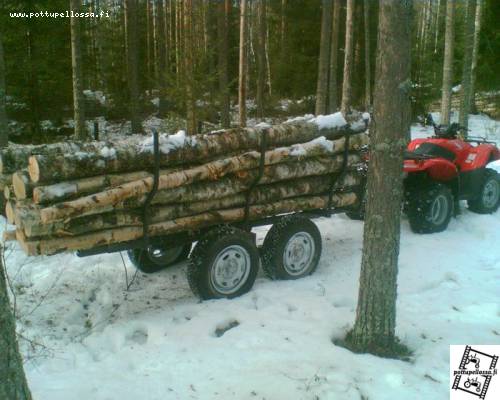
202,65
325,173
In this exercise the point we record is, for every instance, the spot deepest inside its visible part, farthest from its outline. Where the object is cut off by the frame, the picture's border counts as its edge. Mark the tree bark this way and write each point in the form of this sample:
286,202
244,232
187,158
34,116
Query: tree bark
374,328
76,62
345,106
13,383
242,80
334,55
4,135
261,56
324,57
465,100
132,50
223,57
449,45
475,52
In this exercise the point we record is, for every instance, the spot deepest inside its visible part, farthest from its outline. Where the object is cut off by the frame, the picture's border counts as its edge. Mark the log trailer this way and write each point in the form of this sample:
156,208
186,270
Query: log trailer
225,259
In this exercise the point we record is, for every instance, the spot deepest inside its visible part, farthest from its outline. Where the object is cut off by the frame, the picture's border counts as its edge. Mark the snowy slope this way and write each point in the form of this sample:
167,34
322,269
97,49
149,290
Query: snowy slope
156,341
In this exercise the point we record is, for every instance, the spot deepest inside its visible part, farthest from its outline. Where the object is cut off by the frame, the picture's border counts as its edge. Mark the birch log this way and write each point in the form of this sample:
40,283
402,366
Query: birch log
49,246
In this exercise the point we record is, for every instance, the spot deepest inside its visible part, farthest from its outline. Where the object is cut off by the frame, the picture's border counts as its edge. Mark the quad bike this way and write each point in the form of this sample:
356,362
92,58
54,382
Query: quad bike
444,169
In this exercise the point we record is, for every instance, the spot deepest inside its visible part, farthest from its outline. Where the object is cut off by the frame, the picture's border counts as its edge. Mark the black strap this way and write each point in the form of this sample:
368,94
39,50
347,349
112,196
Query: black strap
146,215
337,176
263,148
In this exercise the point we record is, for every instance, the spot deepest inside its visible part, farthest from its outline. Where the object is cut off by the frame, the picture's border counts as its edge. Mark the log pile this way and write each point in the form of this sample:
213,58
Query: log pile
76,196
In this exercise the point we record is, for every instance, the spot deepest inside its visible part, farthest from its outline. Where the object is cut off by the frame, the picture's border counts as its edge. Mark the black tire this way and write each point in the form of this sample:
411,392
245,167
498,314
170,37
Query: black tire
221,249
154,259
488,199
429,208
277,259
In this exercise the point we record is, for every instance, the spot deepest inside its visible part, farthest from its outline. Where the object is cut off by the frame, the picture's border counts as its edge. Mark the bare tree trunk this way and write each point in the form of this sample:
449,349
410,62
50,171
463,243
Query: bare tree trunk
475,51
242,65
4,135
324,58
261,56
131,45
33,82
149,53
334,55
191,126
76,61
374,328
13,384
160,56
465,99
368,95
222,32
345,106
449,44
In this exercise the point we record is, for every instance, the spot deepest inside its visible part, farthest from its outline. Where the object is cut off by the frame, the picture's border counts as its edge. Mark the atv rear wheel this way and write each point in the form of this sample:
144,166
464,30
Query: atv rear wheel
430,208
488,199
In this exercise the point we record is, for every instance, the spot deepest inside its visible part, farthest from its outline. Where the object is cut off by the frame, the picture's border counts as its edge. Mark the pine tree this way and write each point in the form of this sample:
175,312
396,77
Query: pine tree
132,49
76,61
13,384
374,327
366,19
324,57
223,59
465,100
261,56
449,39
4,135
242,65
334,55
475,51
192,125
345,106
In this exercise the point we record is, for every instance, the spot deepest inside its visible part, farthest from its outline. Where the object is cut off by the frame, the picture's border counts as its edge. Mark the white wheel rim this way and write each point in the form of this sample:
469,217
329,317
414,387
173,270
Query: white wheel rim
298,253
230,269
491,192
439,210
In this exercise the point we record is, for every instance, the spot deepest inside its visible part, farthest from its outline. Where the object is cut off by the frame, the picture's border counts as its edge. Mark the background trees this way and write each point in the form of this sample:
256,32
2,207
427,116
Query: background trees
195,71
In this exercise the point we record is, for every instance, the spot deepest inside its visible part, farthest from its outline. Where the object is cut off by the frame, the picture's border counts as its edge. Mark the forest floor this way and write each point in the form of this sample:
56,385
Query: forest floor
86,336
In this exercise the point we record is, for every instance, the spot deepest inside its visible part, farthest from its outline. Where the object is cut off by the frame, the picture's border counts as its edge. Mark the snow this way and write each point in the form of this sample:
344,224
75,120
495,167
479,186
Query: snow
155,340
494,165
168,143
335,120
107,152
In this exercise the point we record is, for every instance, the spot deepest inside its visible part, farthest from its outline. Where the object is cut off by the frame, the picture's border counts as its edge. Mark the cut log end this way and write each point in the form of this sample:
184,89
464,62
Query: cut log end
20,183
10,212
33,169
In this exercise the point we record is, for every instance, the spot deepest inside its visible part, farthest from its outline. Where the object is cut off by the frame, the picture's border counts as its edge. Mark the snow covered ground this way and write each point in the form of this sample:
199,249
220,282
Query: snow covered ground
91,338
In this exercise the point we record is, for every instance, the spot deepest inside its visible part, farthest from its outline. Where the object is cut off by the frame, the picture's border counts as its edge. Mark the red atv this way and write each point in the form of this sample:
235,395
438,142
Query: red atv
444,169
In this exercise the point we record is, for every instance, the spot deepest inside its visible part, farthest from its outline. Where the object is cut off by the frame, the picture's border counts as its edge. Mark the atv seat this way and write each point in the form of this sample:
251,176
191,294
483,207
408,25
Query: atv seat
429,150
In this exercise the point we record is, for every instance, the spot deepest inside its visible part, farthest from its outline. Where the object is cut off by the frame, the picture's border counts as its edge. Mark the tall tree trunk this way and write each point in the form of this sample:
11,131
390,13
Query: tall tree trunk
33,82
449,45
475,51
222,54
13,384
189,61
149,53
161,58
345,106
334,55
76,61
374,328
132,49
465,99
324,58
368,95
4,135
261,56
243,65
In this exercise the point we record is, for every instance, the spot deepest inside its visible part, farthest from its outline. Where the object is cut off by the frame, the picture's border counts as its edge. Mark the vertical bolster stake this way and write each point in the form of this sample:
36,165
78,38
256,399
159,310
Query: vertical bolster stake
146,217
263,147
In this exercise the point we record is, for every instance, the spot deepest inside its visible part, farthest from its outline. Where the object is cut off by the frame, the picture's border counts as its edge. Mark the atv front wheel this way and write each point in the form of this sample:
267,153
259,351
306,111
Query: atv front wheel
488,199
429,208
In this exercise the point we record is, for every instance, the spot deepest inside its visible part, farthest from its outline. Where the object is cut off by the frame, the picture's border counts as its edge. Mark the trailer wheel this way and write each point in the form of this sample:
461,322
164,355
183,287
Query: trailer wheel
488,200
292,248
223,264
156,258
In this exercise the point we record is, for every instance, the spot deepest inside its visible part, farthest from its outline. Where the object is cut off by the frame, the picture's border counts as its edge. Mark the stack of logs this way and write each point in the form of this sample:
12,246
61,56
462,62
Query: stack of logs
76,196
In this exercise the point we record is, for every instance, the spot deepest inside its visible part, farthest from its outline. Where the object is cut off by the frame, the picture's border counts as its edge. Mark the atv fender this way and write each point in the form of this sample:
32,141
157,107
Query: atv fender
438,169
